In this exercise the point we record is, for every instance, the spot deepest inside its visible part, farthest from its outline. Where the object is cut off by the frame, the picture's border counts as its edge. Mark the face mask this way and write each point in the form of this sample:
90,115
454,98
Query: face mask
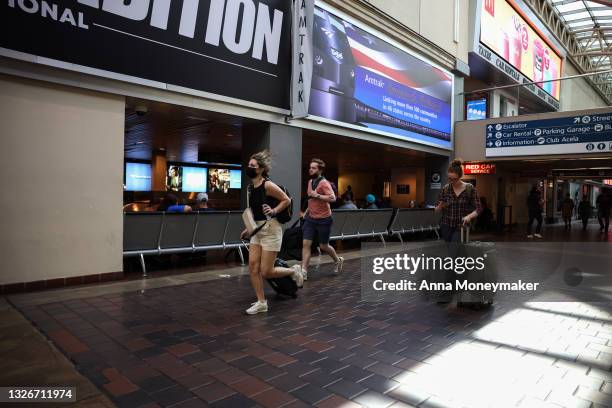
251,172
314,176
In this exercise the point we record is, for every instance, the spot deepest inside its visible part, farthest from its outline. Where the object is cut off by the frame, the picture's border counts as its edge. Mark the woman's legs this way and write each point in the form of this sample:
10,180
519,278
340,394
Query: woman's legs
255,256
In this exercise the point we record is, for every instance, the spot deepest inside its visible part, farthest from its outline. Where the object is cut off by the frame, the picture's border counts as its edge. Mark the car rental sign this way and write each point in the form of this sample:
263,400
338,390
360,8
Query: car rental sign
235,48
566,135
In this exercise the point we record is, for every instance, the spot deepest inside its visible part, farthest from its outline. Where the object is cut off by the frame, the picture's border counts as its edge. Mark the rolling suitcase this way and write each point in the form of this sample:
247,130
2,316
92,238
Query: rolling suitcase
284,286
478,298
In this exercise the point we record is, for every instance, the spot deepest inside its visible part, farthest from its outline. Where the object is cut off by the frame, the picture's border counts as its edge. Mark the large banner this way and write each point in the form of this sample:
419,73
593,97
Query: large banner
362,80
508,34
574,134
235,48
301,75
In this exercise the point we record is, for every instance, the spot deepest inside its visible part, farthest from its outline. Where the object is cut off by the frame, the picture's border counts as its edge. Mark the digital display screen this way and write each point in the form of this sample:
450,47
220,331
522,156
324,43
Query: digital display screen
194,179
137,176
236,179
362,80
506,32
476,109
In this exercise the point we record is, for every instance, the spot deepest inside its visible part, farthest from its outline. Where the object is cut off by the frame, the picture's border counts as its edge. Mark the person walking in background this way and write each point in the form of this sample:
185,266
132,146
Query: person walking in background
604,202
584,211
567,210
266,200
349,193
535,204
318,218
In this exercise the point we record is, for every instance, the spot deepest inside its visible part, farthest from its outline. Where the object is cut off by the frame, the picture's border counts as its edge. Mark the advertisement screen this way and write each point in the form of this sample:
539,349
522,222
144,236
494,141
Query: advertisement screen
219,180
137,177
362,80
477,109
506,33
235,179
194,179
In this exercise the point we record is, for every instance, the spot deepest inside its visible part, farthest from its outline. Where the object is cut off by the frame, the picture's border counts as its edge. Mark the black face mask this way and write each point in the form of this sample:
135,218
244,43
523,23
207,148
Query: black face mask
314,176
251,172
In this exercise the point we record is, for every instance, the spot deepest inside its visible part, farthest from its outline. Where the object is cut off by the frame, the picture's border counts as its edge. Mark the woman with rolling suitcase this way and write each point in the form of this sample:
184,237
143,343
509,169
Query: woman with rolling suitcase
266,201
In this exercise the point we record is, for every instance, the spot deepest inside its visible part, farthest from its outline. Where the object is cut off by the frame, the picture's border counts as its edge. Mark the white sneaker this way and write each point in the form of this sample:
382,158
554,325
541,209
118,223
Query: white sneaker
539,236
530,236
305,274
257,307
339,265
297,275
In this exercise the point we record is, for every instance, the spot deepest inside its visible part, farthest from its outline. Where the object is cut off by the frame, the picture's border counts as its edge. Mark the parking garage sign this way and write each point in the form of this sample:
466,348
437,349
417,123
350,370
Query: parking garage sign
575,134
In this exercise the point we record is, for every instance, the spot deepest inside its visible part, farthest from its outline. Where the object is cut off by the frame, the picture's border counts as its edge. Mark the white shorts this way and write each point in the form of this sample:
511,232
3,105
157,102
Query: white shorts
270,237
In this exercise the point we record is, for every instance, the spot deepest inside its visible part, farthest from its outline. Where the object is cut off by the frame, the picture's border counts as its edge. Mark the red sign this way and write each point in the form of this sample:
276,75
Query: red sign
479,168
489,5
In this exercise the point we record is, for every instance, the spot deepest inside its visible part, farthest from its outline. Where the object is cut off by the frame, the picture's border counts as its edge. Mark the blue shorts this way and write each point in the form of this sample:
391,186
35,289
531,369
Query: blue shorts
321,228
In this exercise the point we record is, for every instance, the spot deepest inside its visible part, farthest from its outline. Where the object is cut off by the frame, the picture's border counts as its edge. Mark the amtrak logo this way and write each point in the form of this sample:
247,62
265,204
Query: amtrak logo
541,140
336,53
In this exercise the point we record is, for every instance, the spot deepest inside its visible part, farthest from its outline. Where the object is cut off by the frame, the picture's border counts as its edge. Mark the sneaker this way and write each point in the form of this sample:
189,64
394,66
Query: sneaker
297,275
257,307
305,274
539,236
530,236
339,265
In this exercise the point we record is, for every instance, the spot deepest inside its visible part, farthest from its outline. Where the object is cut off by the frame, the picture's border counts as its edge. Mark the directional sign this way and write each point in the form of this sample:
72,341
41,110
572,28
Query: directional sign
575,134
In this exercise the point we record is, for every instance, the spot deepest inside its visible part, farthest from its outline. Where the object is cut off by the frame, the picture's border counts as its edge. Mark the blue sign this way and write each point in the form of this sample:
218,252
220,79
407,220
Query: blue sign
477,109
567,135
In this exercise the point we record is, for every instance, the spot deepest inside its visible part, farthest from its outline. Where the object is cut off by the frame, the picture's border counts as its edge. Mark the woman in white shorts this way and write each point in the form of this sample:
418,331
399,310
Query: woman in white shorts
266,200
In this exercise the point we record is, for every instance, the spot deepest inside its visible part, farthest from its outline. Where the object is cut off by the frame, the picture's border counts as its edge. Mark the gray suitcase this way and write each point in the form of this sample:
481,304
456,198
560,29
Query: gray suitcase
478,298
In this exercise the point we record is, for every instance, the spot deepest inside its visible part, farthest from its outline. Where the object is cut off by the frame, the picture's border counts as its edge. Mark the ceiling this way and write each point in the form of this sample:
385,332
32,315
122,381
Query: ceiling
182,132
589,24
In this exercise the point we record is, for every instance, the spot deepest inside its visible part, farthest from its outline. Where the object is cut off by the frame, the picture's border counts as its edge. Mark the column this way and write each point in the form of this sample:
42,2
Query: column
285,144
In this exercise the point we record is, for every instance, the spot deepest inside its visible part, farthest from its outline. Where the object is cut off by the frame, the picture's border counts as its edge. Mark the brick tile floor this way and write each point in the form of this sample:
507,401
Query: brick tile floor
192,345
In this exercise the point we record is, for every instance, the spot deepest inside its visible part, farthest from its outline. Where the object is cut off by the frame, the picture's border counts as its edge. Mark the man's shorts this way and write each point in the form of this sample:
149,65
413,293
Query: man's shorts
320,227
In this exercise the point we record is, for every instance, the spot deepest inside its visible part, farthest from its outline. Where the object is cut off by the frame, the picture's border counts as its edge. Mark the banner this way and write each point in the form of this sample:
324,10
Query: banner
574,134
235,48
509,35
367,82
301,75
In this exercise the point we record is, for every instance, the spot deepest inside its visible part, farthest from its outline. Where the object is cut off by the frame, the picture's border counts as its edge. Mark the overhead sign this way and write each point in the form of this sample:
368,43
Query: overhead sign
235,48
576,134
476,109
479,168
363,81
301,75
514,74
509,35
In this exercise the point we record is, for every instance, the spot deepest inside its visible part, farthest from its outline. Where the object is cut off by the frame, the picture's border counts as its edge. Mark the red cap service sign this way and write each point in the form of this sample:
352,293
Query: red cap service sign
479,168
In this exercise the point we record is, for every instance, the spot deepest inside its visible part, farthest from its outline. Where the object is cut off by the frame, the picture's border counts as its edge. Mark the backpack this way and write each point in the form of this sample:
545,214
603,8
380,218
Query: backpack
284,216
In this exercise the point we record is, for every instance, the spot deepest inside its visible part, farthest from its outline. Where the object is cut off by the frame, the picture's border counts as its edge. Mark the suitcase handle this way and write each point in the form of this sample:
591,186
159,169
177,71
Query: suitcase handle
465,234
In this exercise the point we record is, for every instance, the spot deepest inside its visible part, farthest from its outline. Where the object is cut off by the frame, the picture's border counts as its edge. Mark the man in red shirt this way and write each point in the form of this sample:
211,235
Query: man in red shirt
318,218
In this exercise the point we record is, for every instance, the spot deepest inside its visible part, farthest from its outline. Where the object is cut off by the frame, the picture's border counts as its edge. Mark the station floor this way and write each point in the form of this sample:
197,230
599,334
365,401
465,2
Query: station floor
183,340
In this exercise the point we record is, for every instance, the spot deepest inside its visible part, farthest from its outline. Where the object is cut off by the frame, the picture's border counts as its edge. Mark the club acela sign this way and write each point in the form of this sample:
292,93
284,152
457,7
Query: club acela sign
257,31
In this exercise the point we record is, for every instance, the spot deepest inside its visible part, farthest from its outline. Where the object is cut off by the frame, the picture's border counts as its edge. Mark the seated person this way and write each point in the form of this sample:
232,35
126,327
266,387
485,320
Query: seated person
170,203
348,203
202,203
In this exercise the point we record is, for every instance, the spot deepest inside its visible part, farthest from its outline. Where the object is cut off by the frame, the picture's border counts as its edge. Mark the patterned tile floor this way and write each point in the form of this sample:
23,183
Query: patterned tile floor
190,344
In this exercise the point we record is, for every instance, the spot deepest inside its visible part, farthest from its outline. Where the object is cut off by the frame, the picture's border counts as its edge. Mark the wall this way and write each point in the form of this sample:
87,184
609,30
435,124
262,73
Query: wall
578,93
361,183
63,167
415,178
418,14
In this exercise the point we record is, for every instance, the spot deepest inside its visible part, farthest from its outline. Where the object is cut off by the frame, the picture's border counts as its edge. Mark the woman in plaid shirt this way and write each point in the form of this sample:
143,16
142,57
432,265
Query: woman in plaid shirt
458,202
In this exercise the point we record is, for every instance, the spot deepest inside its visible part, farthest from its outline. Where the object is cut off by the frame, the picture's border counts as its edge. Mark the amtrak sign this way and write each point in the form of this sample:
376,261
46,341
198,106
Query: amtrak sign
234,48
